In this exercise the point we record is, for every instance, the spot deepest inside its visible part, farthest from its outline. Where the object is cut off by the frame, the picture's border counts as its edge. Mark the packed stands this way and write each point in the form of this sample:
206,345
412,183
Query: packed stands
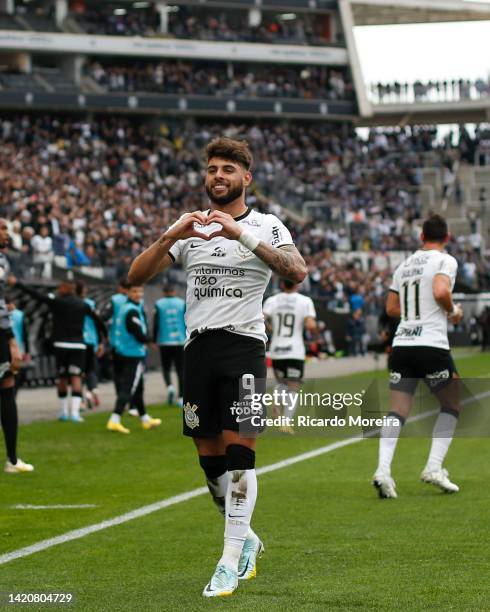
212,78
106,187
201,23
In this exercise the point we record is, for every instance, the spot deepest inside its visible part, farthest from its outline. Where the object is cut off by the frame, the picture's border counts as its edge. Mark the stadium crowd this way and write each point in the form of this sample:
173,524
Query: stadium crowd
202,24
178,77
232,26
94,191
105,21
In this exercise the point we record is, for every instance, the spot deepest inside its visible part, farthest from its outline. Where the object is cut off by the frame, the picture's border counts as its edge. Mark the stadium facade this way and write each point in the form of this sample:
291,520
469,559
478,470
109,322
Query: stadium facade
48,47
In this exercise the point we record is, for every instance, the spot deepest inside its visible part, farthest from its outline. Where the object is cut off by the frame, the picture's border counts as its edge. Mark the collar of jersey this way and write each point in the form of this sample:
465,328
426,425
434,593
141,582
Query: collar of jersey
240,217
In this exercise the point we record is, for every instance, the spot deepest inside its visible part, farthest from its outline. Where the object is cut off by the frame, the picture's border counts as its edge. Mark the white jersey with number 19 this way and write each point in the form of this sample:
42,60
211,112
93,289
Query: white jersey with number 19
288,312
423,322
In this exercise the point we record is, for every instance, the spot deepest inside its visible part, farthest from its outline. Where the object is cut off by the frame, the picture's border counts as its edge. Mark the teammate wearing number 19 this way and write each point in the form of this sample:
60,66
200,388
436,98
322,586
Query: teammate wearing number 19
421,295
228,253
288,314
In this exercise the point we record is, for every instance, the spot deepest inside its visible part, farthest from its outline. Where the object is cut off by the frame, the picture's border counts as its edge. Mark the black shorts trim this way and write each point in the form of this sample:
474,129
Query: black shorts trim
410,364
215,365
69,362
289,369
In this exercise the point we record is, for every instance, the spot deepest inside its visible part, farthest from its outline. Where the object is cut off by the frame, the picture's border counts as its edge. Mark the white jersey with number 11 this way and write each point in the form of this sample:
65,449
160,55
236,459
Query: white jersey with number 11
423,322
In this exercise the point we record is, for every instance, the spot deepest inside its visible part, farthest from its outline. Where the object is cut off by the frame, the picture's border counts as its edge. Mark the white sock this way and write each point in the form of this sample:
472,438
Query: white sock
387,443
76,400
115,418
240,502
251,534
442,436
145,418
63,406
218,488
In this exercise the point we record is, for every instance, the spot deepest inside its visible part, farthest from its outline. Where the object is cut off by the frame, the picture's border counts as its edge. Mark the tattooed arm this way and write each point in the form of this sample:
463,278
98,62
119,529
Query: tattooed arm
285,261
153,260
156,257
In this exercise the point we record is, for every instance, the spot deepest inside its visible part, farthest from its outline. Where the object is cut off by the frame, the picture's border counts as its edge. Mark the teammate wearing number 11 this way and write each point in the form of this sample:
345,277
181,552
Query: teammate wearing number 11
228,253
421,296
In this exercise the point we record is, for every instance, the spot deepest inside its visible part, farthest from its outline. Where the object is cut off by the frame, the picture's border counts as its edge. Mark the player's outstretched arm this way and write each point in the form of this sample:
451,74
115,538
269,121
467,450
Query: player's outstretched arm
155,258
37,295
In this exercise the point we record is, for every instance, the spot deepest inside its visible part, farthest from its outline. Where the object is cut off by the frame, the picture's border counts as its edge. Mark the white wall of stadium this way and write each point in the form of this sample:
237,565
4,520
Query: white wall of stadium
162,47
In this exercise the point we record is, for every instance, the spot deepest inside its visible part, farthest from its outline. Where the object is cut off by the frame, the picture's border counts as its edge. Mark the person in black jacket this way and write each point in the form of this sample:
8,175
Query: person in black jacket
69,312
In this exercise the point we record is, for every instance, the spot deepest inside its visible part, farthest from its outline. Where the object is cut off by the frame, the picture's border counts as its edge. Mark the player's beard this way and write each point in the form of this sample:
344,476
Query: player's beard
234,192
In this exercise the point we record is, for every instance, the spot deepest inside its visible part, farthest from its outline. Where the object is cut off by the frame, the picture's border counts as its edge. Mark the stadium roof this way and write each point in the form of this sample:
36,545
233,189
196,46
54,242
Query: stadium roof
384,12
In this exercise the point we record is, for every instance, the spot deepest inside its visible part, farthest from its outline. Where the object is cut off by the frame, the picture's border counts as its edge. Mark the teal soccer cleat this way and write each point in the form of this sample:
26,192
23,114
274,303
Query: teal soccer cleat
223,582
252,550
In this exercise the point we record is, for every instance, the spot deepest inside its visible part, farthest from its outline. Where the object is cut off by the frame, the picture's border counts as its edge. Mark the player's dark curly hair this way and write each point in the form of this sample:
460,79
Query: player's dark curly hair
237,151
435,229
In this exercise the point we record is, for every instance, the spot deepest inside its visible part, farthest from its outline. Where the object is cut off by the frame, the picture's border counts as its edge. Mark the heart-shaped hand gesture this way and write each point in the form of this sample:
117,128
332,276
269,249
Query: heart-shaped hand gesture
229,227
184,227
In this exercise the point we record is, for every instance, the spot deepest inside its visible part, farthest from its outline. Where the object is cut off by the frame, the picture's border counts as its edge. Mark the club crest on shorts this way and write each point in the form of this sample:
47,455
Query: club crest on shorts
435,378
191,418
395,378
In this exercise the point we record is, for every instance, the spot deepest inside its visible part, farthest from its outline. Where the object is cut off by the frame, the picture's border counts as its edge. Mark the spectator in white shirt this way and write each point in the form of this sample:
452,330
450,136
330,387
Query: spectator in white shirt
43,255
16,235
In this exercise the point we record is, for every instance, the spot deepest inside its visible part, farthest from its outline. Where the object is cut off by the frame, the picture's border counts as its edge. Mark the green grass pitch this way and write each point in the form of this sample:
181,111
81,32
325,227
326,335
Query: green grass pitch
331,544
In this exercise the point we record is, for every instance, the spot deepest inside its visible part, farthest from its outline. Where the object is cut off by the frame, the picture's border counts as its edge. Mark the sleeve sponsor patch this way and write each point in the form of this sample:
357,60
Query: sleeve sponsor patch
276,235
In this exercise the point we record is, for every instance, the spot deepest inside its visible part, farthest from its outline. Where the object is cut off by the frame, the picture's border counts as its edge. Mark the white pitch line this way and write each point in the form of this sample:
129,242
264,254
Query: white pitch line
53,507
84,531
165,503
177,499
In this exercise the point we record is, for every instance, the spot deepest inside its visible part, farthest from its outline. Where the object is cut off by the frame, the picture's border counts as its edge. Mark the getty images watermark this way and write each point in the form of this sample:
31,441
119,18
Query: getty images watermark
323,407
293,401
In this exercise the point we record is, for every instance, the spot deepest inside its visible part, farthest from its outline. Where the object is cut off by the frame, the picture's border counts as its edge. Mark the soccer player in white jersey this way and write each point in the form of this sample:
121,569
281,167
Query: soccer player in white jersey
288,314
421,295
228,253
